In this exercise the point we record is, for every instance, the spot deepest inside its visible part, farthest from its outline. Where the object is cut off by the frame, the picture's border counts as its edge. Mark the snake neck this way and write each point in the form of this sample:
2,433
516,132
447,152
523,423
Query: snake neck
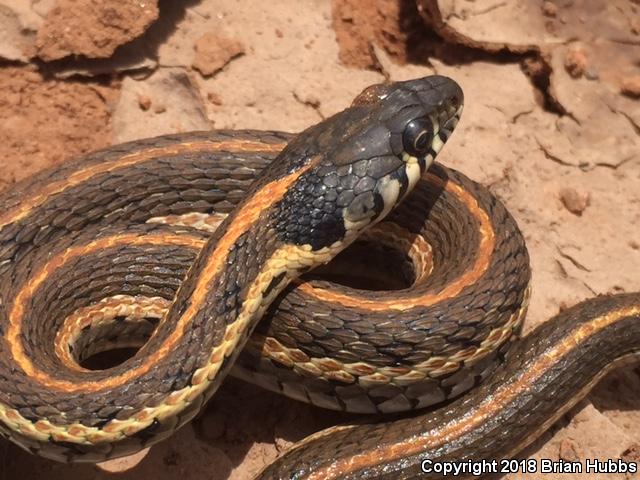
239,273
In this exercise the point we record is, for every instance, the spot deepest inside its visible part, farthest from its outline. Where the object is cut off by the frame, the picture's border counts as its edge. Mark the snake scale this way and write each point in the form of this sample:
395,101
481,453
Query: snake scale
196,255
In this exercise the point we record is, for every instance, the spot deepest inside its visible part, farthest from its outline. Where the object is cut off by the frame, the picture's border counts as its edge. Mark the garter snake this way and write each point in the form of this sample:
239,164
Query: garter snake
177,246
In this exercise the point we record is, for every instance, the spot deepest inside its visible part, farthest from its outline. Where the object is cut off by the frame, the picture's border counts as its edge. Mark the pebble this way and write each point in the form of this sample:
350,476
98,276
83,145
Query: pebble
574,201
576,62
550,9
568,451
144,102
631,86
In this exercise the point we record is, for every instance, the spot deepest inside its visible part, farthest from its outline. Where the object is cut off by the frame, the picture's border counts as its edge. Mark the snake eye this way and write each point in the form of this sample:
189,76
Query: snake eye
417,137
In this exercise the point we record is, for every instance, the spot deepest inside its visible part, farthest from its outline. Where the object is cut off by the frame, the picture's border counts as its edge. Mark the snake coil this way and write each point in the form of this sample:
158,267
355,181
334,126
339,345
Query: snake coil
174,248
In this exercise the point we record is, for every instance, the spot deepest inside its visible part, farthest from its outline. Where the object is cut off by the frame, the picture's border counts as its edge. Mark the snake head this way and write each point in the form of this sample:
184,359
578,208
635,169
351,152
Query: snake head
368,157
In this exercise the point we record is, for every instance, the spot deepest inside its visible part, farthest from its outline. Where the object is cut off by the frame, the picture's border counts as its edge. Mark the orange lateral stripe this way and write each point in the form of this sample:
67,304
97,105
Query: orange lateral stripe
249,213
485,250
26,293
27,205
479,415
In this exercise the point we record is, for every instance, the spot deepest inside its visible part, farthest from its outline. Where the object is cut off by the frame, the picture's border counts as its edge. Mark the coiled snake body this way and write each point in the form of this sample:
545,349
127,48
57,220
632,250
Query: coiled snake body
177,246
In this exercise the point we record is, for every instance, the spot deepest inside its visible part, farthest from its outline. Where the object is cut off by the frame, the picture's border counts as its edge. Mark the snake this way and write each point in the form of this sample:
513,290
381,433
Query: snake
340,266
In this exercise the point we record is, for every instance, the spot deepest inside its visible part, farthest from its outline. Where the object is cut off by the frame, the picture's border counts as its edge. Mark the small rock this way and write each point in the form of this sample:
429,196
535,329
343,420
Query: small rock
568,451
550,9
160,108
144,102
576,62
634,245
534,67
214,98
615,290
591,74
631,454
214,51
631,86
573,201
282,444
308,98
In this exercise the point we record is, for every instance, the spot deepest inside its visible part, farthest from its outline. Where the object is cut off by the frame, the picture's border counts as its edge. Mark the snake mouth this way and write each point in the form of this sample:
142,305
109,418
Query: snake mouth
452,114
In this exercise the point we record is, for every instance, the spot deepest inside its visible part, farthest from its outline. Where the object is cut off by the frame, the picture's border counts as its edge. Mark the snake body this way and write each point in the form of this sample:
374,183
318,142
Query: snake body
176,247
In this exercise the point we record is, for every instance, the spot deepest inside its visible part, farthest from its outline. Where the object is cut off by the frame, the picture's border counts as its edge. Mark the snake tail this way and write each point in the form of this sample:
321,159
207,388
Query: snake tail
544,375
